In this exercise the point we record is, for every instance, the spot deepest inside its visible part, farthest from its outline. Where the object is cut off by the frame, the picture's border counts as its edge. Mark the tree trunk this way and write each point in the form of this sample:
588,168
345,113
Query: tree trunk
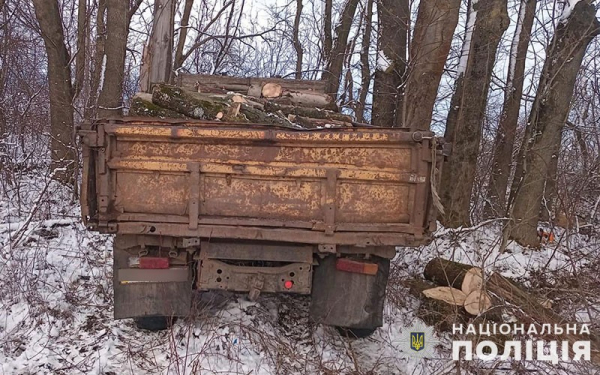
394,19
333,70
488,19
185,20
435,312
296,40
549,112
446,272
96,70
505,137
327,37
60,90
82,33
365,69
160,45
550,192
429,49
110,102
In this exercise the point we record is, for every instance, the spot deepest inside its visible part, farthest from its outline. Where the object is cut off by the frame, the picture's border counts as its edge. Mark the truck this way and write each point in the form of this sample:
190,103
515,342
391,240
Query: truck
250,208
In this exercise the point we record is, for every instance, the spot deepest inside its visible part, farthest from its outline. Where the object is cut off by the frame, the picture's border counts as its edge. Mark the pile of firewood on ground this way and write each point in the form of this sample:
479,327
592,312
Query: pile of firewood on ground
284,102
457,293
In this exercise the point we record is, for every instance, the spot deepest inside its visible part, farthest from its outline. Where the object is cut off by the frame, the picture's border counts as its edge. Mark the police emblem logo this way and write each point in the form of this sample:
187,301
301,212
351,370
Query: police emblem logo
417,341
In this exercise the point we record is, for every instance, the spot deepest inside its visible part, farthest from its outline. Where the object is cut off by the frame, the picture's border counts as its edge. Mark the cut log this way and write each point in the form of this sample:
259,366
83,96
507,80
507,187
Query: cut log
473,280
238,99
446,272
435,312
307,112
314,123
477,302
142,106
447,294
309,99
271,90
190,104
257,116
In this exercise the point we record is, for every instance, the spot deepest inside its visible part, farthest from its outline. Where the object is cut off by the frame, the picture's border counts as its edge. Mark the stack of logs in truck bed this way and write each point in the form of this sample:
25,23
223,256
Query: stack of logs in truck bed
285,102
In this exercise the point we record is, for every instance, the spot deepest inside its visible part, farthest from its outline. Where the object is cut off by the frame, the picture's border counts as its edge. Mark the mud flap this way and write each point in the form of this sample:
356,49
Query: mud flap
347,299
141,299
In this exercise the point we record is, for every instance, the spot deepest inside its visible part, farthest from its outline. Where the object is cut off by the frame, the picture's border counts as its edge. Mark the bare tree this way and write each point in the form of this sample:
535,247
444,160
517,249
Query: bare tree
327,27
429,48
296,39
158,65
110,101
507,128
61,92
183,31
97,64
577,28
365,69
333,70
82,34
487,21
394,19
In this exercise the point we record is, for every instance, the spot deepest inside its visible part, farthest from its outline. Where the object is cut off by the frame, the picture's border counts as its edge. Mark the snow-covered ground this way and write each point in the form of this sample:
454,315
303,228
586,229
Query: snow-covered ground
56,306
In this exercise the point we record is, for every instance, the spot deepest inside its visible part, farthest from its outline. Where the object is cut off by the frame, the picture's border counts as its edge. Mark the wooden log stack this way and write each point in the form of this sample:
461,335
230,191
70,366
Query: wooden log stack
272,101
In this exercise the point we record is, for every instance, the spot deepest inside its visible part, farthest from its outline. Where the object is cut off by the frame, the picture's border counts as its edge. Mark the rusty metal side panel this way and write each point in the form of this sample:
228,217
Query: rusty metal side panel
275,198
372,203
151,192
366,181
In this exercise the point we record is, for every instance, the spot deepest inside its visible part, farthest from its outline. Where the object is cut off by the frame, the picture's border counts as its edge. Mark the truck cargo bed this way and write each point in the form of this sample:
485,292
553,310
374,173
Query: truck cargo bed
358,186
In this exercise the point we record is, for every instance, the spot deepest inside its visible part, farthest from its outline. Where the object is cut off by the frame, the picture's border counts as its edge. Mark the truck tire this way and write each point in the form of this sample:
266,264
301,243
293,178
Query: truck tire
356,333
353,302
154,323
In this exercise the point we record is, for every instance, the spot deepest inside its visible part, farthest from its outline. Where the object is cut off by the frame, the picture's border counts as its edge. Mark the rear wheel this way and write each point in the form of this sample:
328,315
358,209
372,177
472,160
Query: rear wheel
349,300
154,323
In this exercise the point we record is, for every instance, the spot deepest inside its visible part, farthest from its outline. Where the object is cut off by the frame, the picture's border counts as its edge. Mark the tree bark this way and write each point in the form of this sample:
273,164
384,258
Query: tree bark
307,112
296,40
47,13
333,70
365,69
327,37
160,45
82,33
429,49
394,19
185,20
505,137
546,121
96,70
446,272
434,312
488,19
110,102
550,191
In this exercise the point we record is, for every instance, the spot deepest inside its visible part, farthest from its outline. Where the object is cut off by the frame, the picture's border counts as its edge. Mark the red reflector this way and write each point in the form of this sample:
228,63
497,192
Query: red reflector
288,284
154,263
347,265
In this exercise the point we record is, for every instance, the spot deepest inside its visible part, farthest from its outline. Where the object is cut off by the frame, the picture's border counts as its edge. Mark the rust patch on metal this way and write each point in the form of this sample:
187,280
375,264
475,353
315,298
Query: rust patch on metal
356,186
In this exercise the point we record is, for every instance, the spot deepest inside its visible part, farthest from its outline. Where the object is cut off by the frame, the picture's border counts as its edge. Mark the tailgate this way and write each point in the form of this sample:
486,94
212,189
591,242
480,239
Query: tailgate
352,186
